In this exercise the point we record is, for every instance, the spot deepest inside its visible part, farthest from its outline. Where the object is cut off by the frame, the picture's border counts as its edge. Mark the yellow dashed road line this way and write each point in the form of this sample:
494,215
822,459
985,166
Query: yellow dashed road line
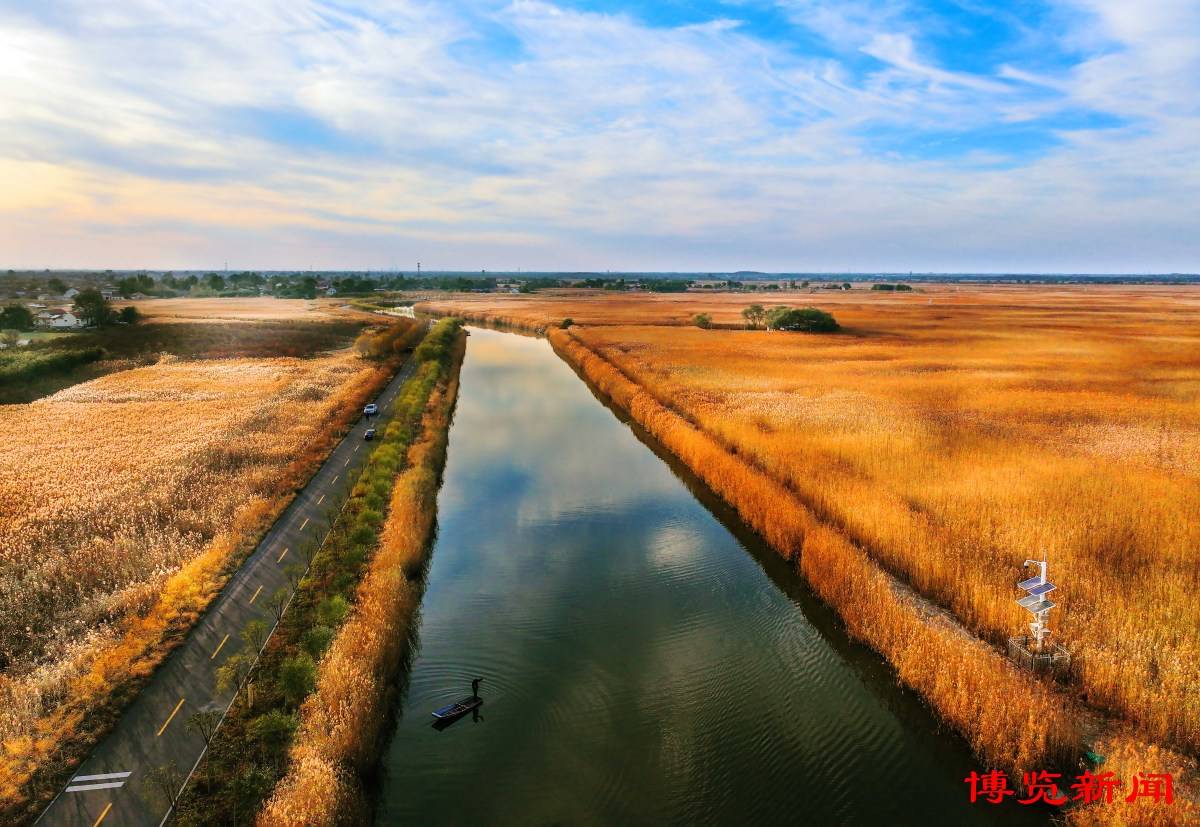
170,718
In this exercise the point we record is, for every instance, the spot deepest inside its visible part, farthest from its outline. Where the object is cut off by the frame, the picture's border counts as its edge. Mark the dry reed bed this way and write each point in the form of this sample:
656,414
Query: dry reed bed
970,684
950,465
931,310
1126,755
842,575
246,309
343,719
125,500
947,435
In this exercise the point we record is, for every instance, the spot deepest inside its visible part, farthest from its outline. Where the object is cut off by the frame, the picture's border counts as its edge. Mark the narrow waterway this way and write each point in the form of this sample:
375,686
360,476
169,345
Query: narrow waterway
645,659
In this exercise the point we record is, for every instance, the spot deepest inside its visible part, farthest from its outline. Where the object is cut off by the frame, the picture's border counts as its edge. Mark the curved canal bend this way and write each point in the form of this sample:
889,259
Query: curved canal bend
645,658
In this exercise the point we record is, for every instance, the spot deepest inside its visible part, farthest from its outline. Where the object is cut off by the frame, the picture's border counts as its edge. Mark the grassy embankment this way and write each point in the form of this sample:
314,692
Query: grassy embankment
51,721
311,712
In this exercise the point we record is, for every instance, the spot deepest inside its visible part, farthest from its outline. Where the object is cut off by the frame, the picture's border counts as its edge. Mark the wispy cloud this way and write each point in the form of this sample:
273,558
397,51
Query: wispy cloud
801,135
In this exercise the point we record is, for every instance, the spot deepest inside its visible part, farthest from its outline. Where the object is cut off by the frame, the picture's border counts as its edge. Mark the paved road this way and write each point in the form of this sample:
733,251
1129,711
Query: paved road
114,785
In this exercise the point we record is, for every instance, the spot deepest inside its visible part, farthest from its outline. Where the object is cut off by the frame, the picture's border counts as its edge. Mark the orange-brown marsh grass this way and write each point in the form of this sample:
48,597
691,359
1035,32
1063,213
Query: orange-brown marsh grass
954,432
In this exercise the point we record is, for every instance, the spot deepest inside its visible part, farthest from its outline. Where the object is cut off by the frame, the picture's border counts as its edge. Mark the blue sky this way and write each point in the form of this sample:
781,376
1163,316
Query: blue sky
797,135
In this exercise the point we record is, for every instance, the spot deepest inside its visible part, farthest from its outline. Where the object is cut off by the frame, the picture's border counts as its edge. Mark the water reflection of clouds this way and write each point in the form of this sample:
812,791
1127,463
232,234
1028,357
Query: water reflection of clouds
573,455
640,668
674,545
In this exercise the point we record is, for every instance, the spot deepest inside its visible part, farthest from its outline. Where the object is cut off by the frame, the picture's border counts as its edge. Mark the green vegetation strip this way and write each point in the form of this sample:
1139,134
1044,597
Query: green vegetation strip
249,754
26,364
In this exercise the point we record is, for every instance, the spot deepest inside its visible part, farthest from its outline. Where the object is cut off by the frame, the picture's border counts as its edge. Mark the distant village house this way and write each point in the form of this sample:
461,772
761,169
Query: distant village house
58,319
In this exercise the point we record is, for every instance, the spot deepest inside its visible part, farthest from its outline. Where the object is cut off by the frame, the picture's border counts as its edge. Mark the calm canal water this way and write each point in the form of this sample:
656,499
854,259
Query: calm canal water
645,659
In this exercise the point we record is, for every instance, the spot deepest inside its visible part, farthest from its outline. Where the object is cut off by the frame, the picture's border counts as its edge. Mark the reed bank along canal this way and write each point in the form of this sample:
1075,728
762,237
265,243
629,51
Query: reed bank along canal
646,660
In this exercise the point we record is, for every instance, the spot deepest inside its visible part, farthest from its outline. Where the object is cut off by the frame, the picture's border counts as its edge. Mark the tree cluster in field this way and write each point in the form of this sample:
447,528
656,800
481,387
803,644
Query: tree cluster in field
792,319
16,317
782,317
248,755
96,311
893,288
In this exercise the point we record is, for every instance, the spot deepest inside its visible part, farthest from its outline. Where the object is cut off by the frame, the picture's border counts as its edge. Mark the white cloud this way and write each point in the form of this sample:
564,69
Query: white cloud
849,24
898,51
579,140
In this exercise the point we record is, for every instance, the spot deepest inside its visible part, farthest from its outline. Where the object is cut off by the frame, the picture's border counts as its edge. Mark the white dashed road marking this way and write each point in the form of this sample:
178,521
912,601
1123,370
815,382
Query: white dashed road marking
107,781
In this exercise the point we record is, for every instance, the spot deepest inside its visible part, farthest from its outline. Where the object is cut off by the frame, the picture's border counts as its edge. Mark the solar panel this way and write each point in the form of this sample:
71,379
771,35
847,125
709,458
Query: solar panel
1031,600
1035,603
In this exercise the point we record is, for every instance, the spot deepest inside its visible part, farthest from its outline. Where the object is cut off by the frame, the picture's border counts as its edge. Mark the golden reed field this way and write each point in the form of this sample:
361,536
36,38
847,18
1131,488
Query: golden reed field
250,309
123,501
942,438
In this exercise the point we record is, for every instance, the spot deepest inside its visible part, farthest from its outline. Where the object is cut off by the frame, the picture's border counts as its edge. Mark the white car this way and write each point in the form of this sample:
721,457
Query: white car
371,409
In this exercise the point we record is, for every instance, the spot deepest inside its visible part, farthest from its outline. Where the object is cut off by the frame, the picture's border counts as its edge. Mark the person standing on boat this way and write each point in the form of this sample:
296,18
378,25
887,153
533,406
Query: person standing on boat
475,687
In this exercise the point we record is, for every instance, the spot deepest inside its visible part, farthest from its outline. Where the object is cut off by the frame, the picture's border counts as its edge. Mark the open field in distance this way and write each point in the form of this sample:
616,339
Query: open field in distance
259,309
860,310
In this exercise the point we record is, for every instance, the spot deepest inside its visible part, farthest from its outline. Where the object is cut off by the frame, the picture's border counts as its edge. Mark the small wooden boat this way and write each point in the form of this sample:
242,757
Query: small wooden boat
461,707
